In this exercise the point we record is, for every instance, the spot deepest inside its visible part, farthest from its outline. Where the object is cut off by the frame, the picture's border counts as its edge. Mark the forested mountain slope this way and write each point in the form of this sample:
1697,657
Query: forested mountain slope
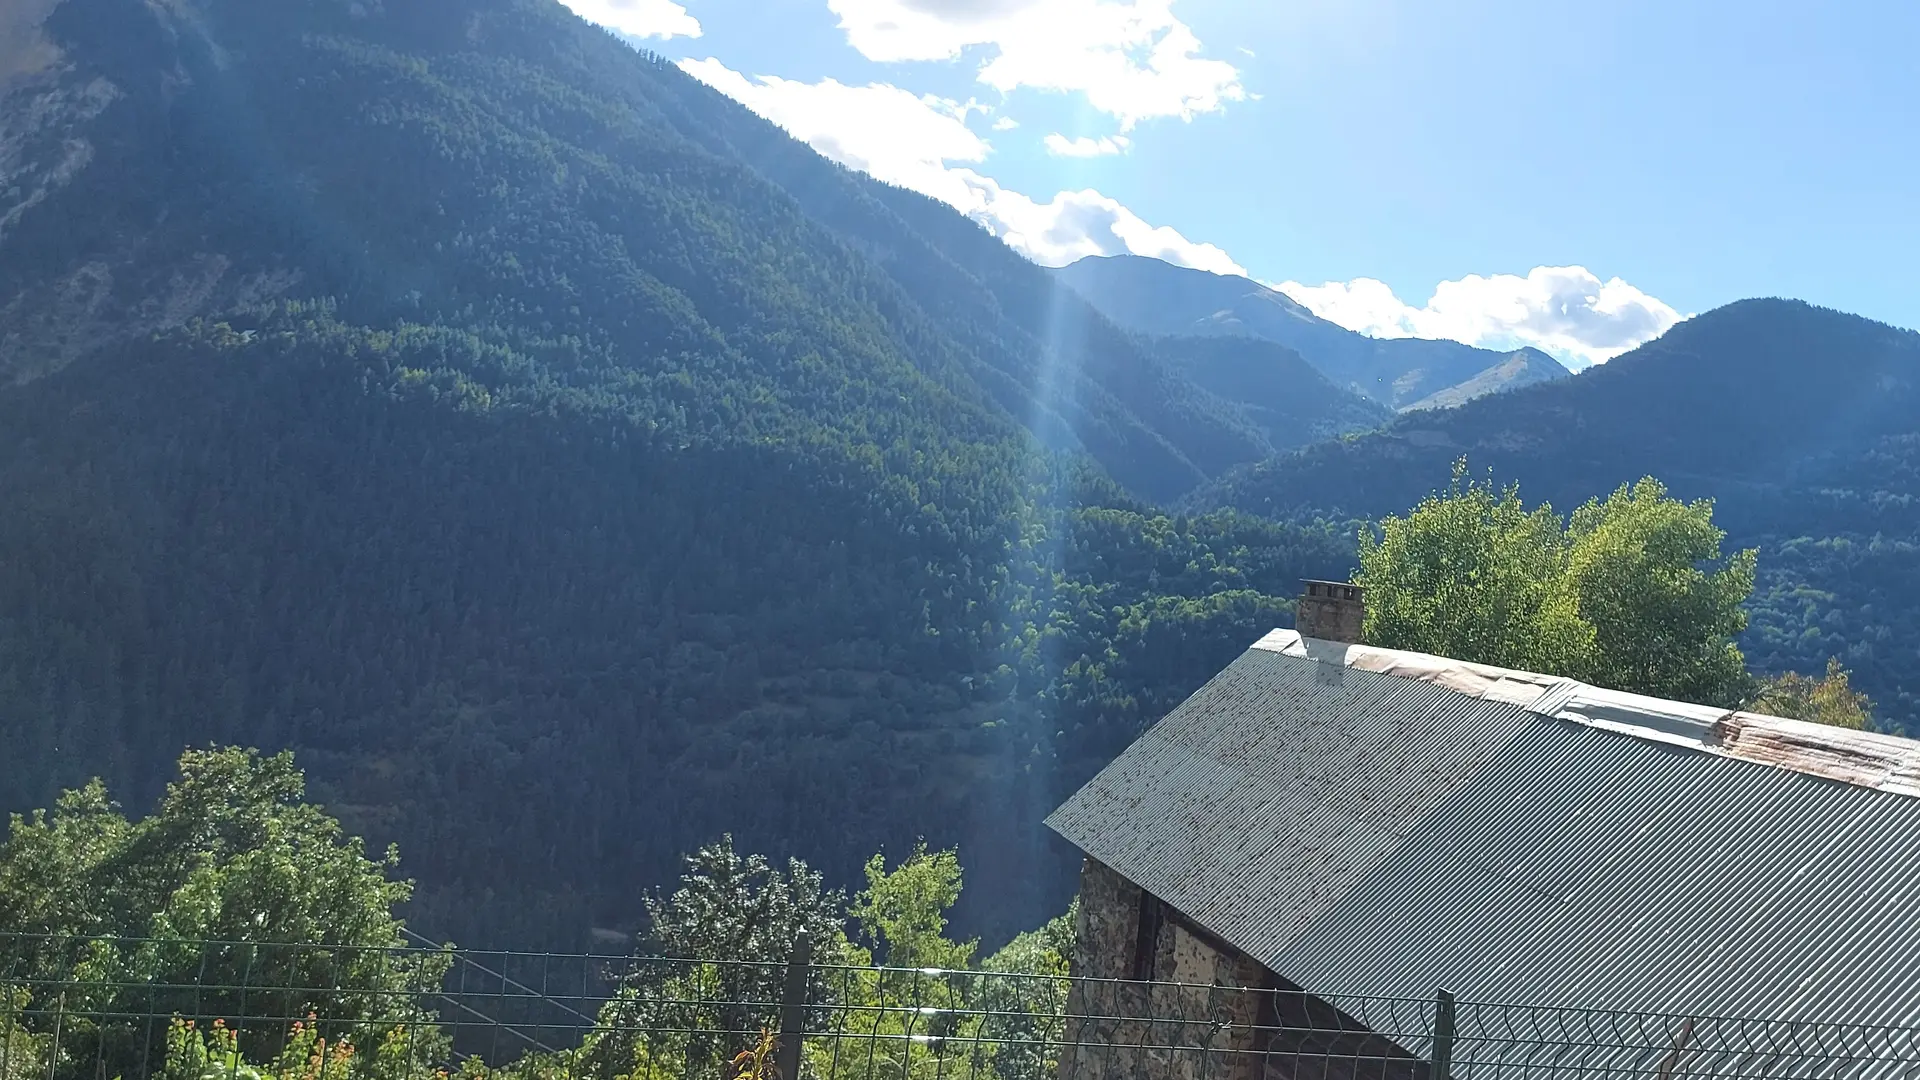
1156,297
1281,395
1802,423
530,155
571,466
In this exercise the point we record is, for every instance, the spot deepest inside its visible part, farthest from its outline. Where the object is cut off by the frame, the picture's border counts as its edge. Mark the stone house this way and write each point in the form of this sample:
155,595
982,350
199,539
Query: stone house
1324,819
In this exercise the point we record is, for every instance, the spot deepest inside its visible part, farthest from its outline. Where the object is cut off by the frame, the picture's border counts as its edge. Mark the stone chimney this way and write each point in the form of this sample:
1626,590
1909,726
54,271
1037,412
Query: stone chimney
1330,611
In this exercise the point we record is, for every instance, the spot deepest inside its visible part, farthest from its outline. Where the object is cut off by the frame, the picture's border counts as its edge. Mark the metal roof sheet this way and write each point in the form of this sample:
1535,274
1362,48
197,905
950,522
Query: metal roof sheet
1370,822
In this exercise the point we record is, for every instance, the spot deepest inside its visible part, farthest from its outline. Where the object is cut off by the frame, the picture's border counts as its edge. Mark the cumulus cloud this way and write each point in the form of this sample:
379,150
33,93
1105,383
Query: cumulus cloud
1060,146
1131,58
922,142
1075,224
1005,123
1563,310
638,18
898,136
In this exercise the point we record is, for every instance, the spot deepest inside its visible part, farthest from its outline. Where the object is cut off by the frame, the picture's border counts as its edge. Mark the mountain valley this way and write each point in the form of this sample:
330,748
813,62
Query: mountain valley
571,466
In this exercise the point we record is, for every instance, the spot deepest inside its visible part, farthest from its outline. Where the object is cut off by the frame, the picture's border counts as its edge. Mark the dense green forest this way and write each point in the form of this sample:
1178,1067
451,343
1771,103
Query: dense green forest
577,466
547,648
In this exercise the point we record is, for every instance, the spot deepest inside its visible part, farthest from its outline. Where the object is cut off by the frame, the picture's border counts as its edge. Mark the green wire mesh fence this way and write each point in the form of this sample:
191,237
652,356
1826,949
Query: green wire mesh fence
151,1009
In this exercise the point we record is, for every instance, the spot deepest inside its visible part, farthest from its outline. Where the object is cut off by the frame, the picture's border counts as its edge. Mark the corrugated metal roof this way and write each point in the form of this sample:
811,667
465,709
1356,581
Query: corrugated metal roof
1517,838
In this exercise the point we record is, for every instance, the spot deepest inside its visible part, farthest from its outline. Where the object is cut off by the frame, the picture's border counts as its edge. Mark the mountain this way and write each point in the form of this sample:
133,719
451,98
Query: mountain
1522,368
1270,388
570,466
1156,297
269,216
1802,424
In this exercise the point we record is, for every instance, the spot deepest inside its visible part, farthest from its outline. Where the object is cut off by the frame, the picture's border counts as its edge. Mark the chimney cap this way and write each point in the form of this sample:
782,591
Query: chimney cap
1337,590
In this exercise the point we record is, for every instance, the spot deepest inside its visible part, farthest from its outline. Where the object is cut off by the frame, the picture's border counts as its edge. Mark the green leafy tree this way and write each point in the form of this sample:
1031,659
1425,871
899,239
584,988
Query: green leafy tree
904,910
730,906
236,896
1664,603
1474,574
1632,592
232,853
902,914
23,1052
1026,1017
1829,699
1047,951
730,927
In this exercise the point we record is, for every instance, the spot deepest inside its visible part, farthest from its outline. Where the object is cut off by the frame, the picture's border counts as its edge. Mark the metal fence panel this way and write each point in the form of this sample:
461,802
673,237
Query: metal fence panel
129,1009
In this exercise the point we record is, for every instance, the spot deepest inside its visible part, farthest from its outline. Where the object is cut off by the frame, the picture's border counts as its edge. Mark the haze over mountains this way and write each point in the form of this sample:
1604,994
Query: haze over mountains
571,466
1153,297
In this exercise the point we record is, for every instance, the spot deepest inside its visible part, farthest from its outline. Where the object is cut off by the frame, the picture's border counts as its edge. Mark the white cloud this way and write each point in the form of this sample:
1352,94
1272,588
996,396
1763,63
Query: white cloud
1563,310
1075,224
1131,58
1060,146
899,136
1005,123
638,18
922,142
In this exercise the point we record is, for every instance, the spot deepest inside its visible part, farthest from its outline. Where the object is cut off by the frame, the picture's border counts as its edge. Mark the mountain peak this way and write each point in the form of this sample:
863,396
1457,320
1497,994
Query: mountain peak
1151,296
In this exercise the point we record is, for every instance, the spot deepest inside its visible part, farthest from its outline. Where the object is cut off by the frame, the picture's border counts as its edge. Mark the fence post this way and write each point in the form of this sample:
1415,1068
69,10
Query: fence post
1443,1031
53,1051
793,1008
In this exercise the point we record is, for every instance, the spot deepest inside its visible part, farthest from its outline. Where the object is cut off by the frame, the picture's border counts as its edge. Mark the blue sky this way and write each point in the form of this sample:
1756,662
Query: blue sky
1573,176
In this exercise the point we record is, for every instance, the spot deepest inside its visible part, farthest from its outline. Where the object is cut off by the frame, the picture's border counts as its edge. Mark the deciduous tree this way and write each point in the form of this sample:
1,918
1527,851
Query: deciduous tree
235,894
1829,699
1632,592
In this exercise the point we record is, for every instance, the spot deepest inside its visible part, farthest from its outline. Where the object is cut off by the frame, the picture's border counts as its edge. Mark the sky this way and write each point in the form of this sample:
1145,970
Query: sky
1576,177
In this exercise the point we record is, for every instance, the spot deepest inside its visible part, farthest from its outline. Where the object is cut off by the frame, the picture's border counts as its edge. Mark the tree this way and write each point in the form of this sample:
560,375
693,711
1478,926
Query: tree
1024,1015
1826,700
1633,592
904,910
23,1052
740,907
1664,604
903,914
929,1016
234,894
730,930
1473,574
1046,951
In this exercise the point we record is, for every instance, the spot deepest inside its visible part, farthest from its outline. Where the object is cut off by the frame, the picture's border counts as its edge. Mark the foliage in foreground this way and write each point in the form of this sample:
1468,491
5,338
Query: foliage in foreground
182,945
985,1021
111,918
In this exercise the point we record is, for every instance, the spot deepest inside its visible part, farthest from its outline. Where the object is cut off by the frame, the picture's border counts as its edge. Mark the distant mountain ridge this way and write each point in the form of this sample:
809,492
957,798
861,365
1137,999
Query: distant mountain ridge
1801,423
1155,297
1521,368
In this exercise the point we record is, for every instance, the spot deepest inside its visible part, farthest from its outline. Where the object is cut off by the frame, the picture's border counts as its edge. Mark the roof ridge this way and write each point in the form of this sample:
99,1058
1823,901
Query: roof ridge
1865,758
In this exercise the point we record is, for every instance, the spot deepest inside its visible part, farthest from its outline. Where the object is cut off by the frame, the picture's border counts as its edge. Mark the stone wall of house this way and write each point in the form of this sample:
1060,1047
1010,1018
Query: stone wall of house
1193,1008
1171,1004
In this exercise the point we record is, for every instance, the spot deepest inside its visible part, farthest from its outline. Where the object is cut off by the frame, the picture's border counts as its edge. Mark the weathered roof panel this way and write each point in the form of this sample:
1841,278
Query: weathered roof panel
1521,839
